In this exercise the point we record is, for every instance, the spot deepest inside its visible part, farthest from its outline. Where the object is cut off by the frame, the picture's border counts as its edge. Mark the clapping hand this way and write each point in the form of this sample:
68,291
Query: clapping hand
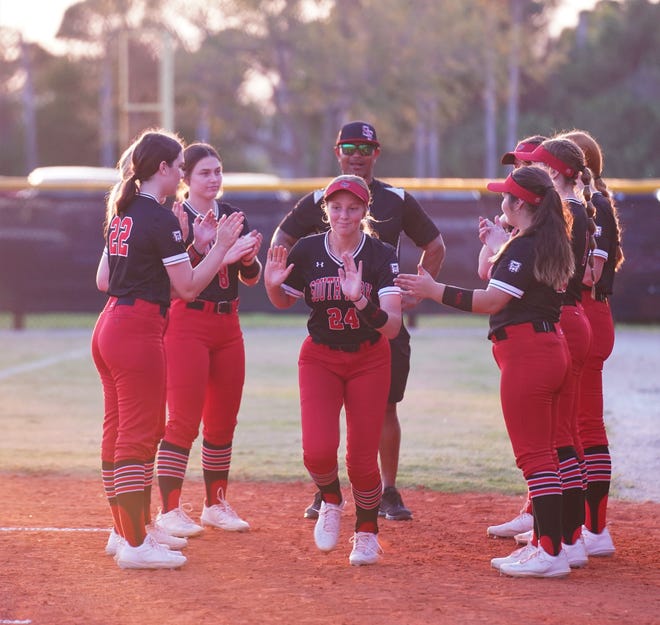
350,277
204,231
228,230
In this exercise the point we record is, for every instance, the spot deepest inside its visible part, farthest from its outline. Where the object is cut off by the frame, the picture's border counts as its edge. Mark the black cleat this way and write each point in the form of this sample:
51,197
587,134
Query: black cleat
392,507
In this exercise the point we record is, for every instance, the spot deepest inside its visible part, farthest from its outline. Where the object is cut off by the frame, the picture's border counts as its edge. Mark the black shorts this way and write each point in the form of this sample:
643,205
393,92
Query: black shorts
400,348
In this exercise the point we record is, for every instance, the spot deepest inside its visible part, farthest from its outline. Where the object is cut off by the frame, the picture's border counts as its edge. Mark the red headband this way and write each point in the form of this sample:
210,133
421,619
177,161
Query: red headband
509,185
541,155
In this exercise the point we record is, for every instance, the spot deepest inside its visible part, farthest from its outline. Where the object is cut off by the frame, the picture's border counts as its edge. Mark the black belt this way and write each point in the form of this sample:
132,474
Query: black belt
351,347
130,301
539,325
218,308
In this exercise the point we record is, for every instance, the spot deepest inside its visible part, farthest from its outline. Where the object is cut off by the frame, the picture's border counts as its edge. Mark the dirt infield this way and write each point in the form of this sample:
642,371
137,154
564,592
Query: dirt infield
435,569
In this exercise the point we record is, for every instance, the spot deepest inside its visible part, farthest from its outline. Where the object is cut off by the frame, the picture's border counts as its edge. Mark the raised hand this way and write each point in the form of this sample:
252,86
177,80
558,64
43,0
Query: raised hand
257,239
492,233
204,229
350,277
180,214
228,230
241,248
276,270
421,285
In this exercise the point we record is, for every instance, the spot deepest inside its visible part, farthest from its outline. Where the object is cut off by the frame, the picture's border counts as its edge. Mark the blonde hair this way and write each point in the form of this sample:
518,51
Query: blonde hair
367,220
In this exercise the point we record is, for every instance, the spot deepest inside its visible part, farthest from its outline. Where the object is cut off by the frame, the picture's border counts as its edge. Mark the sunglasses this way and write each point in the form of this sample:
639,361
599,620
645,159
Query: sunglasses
365,149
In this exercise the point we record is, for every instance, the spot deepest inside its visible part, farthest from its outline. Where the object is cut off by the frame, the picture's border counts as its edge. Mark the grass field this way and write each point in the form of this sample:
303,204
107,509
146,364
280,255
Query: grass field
453,434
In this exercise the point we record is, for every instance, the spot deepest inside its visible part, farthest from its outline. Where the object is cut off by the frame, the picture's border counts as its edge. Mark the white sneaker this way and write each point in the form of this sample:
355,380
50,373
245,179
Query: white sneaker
177,523
223,516
165,539
115,541
516,556
576,553
524,538
326,530
149,555
598,544
539,563
366,549
522,523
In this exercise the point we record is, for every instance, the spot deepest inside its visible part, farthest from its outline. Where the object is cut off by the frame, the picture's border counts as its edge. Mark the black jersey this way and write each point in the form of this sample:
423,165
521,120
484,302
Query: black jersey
580,245
140,244
333,319
607,242
394,211
224,286
513,273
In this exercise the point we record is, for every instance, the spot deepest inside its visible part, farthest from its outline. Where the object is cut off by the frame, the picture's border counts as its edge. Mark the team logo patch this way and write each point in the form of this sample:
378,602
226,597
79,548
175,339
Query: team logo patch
514,266
177,236
367,132
395,268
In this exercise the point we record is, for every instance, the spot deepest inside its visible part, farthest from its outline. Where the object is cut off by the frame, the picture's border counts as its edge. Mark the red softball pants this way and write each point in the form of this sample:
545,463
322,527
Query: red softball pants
359,381
590,413
533,367
127,348
205,375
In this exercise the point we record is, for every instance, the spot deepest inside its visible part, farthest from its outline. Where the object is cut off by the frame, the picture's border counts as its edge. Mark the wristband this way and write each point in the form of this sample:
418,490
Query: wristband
250,271
372,315
194,255
458,298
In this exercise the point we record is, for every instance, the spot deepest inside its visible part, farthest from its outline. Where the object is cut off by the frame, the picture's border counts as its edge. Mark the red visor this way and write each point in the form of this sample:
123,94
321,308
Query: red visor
347,185
509,185
541,155
521,149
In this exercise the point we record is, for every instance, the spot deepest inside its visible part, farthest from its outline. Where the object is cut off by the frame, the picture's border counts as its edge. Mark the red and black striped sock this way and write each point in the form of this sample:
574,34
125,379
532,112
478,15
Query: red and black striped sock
129,489
599,476
366,508
572,494
545,491
216,460
172,464
108,476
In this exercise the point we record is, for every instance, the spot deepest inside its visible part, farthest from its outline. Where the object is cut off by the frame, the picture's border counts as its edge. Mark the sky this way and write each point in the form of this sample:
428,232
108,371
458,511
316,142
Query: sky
21,14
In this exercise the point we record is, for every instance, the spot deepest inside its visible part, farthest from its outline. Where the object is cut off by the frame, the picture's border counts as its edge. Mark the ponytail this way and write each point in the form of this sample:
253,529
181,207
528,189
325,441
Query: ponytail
591,223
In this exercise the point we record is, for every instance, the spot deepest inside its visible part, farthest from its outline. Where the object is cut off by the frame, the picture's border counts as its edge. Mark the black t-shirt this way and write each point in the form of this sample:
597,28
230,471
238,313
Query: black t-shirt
580,245
333,319
513,273
224,287
140,244
607,242
393,209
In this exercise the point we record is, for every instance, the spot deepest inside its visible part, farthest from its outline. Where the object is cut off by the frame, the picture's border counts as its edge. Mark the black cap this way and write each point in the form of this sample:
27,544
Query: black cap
358,132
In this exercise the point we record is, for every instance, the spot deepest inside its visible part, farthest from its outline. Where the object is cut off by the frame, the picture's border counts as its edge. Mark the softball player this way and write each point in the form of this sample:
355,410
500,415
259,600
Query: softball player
493,235
144,258
523,301
596,290
394,211
205,361
347,279
565,162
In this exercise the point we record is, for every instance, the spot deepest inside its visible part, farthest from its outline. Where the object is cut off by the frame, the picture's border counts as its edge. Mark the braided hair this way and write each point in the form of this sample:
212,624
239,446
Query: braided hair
594,160
569,153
